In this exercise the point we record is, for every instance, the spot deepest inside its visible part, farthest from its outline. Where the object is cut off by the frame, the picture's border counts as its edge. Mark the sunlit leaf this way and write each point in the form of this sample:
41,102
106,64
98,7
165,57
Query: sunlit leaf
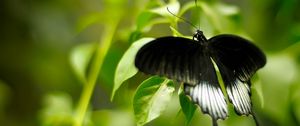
145,20
80,58
152,98
172,6
187,106
126,68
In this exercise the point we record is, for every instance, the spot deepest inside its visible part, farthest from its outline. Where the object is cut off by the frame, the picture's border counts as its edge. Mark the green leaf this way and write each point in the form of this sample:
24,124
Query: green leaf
80,58
143,19
151,99
126,68
187,106
146,21
153,22
147,18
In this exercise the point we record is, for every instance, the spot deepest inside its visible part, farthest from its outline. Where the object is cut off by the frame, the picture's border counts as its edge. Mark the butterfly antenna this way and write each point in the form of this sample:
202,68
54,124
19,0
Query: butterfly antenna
186,21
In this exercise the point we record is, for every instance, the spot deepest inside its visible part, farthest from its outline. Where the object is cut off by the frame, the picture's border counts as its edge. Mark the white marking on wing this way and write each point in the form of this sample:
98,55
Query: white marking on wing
239,94
210,99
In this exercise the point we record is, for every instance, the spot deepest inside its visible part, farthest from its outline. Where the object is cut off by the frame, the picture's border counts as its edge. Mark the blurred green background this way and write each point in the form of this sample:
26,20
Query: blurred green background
48,48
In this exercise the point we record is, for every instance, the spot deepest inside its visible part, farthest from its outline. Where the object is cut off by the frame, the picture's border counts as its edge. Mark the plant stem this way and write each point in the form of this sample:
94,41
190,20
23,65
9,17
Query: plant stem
104,45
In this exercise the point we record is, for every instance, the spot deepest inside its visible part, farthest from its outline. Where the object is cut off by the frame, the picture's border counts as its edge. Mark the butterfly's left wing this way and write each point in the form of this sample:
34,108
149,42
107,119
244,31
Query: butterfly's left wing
173,57
237,59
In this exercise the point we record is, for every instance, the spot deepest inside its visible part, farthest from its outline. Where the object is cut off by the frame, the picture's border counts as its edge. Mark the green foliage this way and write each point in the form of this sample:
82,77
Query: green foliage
152,98
58,60
187,106
146,20
126,68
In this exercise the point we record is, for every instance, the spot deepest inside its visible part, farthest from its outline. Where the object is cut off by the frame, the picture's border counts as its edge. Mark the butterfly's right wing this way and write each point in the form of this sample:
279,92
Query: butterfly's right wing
237,59
237,54
186,61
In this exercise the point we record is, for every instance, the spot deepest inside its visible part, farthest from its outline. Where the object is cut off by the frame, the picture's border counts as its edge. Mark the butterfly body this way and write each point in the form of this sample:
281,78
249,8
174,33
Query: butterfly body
191,61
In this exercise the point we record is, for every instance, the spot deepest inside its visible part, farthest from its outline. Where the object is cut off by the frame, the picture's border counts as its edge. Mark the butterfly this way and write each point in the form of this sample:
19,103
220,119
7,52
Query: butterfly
191,61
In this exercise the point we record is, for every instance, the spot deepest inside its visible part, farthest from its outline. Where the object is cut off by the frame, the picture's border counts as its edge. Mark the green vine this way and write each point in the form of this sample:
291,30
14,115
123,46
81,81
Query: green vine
103,47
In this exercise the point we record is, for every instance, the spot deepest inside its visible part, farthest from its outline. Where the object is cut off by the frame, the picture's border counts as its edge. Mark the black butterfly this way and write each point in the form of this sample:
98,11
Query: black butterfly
191,61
